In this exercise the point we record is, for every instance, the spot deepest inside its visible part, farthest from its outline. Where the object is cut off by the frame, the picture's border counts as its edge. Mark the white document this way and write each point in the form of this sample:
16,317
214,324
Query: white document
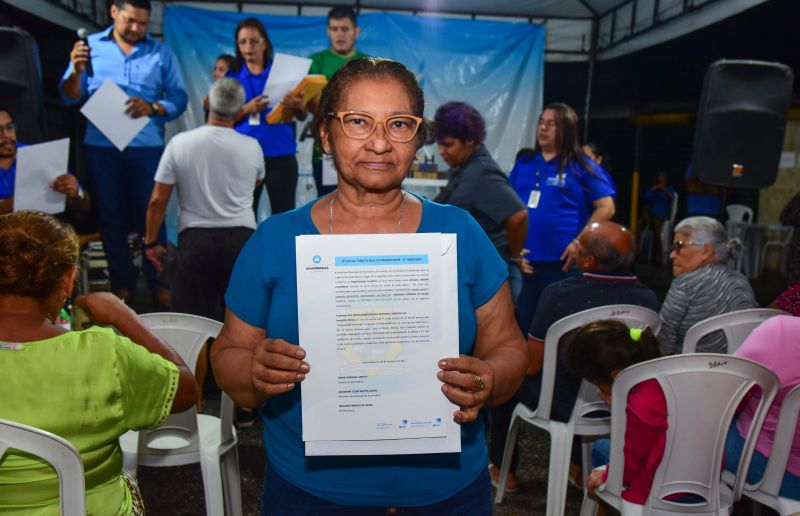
37,166
329,177
106,110
287,71
376,314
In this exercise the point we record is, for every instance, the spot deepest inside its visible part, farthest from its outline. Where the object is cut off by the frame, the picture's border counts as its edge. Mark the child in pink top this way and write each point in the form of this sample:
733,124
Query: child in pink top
776,345
597,352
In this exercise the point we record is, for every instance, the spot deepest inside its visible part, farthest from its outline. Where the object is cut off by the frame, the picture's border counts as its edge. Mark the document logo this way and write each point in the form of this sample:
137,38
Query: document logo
316,259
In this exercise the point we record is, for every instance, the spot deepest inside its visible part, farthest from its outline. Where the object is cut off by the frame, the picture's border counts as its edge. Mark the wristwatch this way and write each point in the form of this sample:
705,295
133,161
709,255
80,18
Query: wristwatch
154,106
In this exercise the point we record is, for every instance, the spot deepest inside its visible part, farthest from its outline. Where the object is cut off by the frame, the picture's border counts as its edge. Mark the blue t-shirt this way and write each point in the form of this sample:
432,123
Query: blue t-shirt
276,139
8,176
565,202
151,72
660,203
263,293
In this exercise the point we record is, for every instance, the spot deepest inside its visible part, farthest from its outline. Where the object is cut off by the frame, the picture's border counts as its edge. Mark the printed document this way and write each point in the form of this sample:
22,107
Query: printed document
287,71
106,110
37,166
376,313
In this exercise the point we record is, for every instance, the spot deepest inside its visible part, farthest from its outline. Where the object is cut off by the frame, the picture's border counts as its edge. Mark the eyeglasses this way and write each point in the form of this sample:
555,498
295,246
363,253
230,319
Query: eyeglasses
360,126
677,245
10,127
547,123
252,42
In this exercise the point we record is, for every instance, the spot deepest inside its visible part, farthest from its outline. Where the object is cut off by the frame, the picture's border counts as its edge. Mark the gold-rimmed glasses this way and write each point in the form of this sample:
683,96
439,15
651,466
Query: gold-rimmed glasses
360,126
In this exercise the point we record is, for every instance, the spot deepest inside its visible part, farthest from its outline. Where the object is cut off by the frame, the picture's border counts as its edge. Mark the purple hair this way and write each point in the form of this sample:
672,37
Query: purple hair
459,120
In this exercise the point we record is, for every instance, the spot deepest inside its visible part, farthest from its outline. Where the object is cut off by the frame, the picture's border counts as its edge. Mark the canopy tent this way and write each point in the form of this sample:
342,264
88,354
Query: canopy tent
577,30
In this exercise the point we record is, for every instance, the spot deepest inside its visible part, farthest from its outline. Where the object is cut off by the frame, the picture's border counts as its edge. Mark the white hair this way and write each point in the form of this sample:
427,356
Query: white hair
705,230
226,98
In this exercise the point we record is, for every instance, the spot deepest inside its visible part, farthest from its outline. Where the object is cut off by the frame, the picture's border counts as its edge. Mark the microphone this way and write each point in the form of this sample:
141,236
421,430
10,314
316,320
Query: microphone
82,35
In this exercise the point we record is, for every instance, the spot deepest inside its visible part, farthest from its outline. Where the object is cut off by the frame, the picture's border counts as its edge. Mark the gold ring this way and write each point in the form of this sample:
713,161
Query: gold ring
477,383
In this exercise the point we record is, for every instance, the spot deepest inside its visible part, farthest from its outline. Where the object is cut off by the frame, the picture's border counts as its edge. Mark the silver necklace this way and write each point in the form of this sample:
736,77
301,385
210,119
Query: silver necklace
336,194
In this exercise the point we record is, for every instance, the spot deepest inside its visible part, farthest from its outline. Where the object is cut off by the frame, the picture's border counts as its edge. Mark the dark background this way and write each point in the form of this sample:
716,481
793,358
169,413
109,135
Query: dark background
663,79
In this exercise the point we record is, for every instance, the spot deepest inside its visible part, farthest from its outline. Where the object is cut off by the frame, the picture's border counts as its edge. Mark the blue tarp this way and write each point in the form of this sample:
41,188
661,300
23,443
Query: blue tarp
496,66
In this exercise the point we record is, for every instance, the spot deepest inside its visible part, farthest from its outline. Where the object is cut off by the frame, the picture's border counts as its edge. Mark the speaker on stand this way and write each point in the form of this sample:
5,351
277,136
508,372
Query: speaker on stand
21,84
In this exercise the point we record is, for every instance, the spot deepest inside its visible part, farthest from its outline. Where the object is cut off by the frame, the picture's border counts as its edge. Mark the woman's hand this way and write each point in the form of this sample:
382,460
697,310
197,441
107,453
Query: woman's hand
524,265
104,308
468,382
595,480
570,254
277,366
256,105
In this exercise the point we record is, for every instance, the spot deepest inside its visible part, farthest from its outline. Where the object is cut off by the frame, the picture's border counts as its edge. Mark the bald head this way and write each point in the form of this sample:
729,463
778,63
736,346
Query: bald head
606,246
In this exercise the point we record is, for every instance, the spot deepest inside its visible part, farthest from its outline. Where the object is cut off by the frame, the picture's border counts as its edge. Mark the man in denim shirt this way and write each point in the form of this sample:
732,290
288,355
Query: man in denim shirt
121,181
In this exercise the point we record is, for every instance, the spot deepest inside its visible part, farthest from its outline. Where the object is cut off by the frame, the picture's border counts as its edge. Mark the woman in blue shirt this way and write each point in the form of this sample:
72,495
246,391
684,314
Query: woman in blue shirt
558,183
254,60
373,127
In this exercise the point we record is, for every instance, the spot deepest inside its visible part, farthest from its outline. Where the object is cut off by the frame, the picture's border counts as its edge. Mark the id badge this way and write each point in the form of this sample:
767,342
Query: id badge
533,200
255,119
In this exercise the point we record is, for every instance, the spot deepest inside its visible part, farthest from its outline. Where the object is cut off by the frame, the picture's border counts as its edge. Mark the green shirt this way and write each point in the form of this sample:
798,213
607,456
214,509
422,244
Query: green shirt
326,62
88,387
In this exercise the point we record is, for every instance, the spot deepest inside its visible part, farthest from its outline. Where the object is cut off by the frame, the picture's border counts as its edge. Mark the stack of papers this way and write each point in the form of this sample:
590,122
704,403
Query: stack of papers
376,314
310,87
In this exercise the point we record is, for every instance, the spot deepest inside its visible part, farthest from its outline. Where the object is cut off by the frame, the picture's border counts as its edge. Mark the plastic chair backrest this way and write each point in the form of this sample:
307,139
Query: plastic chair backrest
782,445
633,315
702,391
55,450
674,209
737,326
187,335
739,213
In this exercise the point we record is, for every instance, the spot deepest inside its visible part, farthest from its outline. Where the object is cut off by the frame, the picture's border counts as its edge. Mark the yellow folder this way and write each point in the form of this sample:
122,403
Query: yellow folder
310,86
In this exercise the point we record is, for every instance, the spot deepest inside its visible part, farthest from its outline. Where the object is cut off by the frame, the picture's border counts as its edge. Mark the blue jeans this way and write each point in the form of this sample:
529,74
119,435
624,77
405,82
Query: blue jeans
121,184
544,273
790,486
281,498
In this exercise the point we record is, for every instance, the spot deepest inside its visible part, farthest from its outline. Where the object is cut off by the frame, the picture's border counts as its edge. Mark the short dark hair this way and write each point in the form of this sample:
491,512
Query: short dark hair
601,152
343,11
251,23
599,348
138,4
229,60
370,68
459,120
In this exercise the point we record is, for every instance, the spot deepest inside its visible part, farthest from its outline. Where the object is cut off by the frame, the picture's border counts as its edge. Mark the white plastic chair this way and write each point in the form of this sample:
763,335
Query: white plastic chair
189,437
782,242
739,213
58,452
587,402
766,491
737,326
702,393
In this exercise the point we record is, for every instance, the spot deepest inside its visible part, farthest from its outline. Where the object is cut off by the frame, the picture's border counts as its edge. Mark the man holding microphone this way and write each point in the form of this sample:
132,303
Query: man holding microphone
121,181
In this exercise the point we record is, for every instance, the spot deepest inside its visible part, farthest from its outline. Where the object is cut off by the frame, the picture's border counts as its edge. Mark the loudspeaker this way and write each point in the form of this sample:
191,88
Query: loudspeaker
740,124
21,84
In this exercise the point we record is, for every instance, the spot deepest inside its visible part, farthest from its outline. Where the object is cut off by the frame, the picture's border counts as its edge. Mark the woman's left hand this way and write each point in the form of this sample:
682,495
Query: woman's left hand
468,382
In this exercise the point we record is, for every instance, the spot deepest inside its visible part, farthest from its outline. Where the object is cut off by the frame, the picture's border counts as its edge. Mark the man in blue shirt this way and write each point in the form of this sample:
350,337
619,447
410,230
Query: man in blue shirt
65,183
121,181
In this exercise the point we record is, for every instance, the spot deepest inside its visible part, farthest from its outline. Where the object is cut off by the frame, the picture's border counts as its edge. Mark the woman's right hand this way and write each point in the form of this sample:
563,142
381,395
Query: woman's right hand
277,366
256,105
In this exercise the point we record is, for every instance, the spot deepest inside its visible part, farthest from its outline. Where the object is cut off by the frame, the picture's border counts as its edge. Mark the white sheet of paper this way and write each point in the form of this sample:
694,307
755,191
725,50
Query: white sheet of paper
106,110
37,166
374,324
329,176
451,443
287,71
